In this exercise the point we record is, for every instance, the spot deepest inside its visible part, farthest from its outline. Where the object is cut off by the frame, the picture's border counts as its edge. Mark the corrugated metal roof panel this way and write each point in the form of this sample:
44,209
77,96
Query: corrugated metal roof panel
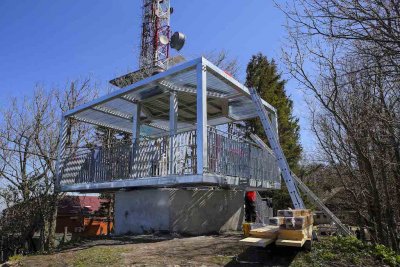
115,110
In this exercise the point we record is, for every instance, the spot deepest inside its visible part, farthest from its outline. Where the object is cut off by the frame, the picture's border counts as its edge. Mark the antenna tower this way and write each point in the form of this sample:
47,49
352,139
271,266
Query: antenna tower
154,50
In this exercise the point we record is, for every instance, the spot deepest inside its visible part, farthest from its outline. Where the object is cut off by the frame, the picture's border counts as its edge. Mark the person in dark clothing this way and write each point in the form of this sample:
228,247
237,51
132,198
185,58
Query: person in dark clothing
250,206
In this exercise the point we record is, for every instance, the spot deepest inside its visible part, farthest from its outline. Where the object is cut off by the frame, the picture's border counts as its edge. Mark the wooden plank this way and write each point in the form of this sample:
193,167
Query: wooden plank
268,231
290,243
295,235
255,241
291,234
260,227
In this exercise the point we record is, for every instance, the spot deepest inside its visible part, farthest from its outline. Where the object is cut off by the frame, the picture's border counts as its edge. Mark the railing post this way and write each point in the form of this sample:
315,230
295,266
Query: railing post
173,120
62,142
135,134
92,163
201,136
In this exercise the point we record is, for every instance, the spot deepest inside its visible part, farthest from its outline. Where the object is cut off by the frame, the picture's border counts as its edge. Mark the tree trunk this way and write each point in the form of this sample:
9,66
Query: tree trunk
52,222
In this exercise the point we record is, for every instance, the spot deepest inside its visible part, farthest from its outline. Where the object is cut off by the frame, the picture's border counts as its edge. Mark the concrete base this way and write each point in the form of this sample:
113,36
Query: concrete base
193,212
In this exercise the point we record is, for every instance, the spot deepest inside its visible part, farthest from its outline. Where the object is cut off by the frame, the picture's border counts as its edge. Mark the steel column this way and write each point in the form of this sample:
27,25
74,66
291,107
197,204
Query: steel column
135,134
201,136
62,142
173,121
136,122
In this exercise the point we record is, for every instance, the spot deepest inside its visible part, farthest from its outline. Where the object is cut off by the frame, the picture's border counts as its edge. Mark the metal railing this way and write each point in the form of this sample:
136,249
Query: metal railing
233,156
228,155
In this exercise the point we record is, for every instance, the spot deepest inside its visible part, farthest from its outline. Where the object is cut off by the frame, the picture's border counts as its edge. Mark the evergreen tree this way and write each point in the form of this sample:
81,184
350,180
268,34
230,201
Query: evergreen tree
263,75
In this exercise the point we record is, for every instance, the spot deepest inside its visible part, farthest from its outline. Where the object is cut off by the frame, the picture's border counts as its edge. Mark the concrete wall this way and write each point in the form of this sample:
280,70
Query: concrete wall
192,212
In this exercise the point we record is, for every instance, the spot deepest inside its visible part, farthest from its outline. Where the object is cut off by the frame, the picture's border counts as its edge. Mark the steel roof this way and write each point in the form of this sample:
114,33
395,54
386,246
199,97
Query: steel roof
227,101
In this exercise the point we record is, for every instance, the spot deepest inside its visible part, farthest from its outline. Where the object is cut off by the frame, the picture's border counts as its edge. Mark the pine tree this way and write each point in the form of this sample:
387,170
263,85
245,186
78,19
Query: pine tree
263,75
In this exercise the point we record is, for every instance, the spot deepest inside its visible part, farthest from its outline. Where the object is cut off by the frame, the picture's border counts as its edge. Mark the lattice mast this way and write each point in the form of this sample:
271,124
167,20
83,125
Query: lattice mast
154,52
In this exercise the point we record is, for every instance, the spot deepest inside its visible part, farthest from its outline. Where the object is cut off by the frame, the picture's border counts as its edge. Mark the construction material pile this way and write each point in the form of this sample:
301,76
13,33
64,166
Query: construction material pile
290,228
292,219
295,226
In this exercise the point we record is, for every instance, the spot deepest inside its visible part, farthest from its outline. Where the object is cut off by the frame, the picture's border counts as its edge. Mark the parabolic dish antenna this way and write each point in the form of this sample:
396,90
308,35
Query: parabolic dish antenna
163,39
177,41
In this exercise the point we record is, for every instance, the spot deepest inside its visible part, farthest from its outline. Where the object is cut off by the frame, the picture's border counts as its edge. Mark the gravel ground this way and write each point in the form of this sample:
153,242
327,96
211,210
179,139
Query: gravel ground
150,250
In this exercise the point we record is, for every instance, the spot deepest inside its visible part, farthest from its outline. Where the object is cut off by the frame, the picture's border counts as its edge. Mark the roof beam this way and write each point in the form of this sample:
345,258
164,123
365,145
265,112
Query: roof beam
114,113
129,99
184,89
101,124
145,110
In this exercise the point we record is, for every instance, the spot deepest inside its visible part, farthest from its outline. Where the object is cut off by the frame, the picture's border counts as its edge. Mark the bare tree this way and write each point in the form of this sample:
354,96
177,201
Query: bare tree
366,28
224,61
346,53
29,136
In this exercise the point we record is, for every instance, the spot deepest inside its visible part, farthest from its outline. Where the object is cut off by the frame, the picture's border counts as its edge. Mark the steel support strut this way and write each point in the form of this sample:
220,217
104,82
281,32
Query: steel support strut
201,136
135,133
173,121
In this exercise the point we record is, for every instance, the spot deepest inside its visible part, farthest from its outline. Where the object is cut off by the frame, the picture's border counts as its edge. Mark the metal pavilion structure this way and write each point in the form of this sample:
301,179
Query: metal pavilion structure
173,118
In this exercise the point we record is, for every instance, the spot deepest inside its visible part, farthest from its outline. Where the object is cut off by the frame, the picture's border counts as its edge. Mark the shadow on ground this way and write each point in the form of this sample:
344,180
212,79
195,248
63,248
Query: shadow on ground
270,256
86,243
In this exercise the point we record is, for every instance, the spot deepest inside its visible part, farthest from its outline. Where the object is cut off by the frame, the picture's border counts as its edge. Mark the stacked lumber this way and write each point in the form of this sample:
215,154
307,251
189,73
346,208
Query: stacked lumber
294,238
292,219
289,228
295,227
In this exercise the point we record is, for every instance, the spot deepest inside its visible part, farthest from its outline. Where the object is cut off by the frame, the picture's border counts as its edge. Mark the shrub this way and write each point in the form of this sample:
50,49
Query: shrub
16,258
387,255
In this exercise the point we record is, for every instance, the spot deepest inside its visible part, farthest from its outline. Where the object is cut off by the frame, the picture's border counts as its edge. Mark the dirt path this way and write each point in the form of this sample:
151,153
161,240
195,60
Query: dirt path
164,251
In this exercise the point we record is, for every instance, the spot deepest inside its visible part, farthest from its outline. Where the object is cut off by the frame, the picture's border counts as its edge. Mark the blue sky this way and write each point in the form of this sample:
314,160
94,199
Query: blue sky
51,42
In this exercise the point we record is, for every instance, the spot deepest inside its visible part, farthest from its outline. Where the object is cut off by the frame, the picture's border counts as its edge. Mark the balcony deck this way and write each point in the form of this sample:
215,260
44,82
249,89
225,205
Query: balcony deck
232,162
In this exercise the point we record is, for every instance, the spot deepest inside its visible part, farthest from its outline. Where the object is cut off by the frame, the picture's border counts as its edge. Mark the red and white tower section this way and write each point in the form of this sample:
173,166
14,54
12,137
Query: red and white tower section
154,51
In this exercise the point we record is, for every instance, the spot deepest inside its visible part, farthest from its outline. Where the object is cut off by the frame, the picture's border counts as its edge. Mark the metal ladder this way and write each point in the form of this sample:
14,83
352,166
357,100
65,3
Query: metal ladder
290,178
